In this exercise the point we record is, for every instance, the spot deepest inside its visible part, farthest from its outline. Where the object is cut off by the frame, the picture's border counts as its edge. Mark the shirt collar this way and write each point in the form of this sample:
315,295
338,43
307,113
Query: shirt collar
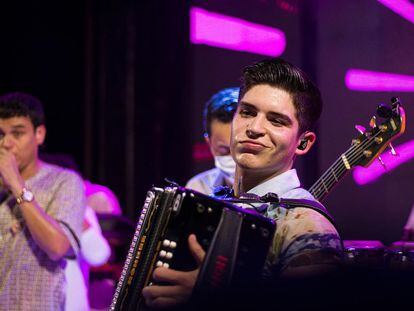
222,180
279,184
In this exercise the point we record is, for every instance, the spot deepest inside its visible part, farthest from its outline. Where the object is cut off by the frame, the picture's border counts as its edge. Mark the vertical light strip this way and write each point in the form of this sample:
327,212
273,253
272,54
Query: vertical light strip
366,175
404,8
232,33
367,81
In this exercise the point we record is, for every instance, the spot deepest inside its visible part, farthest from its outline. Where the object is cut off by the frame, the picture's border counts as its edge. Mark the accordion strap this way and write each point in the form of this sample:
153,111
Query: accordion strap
273,198
316,206
218,265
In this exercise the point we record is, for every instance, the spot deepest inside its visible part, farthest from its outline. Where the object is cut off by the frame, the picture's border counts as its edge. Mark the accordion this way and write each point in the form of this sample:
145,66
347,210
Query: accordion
236,242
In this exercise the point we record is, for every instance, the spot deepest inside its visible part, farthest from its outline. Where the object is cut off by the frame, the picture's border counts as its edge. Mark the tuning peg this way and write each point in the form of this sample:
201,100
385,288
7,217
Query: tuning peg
392,150
384,111
373,122
360,129
395,101
382,162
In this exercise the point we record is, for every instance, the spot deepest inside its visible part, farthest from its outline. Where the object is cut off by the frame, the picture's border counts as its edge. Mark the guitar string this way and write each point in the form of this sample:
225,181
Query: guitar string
353,153
326,184
321,191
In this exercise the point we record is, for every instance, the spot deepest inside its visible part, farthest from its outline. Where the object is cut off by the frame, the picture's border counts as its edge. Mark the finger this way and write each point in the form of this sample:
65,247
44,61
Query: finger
196,249
155,291
165,296
171,276
163,303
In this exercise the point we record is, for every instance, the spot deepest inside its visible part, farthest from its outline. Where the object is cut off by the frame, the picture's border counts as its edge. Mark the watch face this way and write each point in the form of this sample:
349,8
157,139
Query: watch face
27,196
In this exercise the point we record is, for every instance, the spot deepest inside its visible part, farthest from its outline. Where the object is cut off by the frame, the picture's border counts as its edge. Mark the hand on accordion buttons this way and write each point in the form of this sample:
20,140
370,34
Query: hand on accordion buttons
182,283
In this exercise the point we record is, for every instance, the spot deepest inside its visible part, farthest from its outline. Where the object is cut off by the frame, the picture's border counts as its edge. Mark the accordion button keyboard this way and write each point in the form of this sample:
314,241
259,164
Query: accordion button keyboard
166,243
163,253
169,255
173,244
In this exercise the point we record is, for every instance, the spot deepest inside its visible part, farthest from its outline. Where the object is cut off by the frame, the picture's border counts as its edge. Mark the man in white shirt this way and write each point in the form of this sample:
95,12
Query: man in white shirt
218,114
41,211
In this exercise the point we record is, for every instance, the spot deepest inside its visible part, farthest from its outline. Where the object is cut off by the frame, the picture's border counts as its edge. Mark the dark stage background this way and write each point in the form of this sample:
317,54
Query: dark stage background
124,89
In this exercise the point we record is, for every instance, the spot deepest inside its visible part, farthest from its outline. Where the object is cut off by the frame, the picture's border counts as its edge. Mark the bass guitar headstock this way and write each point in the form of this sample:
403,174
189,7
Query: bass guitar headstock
369,144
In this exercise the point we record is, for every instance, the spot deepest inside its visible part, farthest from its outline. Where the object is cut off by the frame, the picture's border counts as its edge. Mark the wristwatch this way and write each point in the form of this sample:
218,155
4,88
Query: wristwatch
25,196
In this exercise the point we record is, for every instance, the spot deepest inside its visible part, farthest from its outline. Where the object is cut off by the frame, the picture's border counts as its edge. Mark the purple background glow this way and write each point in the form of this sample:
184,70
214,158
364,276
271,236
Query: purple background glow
405,8
366,175
231,33
368,81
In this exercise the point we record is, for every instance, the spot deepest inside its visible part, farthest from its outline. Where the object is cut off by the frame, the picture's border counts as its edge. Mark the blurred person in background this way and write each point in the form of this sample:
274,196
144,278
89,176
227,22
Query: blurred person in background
217,117
118,230
41,212
95,251
102,199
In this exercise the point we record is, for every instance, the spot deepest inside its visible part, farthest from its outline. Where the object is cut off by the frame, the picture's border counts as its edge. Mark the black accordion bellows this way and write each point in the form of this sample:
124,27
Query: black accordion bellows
236,241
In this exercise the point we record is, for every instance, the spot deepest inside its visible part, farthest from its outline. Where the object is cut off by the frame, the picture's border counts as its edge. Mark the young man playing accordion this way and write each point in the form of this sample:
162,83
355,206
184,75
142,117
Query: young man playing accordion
277,110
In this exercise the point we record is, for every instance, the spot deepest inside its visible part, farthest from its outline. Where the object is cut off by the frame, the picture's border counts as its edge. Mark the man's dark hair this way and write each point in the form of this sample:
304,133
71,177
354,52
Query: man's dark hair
279,73
221,107
22,105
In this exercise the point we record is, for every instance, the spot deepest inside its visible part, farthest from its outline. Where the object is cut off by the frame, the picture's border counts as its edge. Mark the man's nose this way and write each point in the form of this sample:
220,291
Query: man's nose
255,128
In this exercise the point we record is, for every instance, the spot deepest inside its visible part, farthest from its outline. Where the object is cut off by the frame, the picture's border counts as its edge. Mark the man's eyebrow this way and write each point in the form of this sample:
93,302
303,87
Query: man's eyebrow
247,105
18,127
271,114
280,116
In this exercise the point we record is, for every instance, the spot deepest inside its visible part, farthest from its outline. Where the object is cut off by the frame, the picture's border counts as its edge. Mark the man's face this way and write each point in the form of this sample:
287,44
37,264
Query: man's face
18,136
219,138
265,131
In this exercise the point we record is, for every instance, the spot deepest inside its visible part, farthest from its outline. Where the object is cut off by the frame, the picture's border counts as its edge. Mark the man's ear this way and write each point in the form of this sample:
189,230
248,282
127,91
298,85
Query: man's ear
40,134
305,142
207,139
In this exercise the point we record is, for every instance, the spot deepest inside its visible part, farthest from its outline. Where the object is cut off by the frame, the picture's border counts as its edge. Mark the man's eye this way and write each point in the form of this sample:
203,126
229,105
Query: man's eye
277,122
17,134
246,112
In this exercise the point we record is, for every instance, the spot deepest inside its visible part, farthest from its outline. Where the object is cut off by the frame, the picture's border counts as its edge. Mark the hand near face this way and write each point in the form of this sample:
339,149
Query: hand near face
182,283
9,171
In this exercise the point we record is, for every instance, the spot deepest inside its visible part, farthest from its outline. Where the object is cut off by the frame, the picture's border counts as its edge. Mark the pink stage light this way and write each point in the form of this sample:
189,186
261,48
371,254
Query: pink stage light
232,33
366,175
403,8
367,81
